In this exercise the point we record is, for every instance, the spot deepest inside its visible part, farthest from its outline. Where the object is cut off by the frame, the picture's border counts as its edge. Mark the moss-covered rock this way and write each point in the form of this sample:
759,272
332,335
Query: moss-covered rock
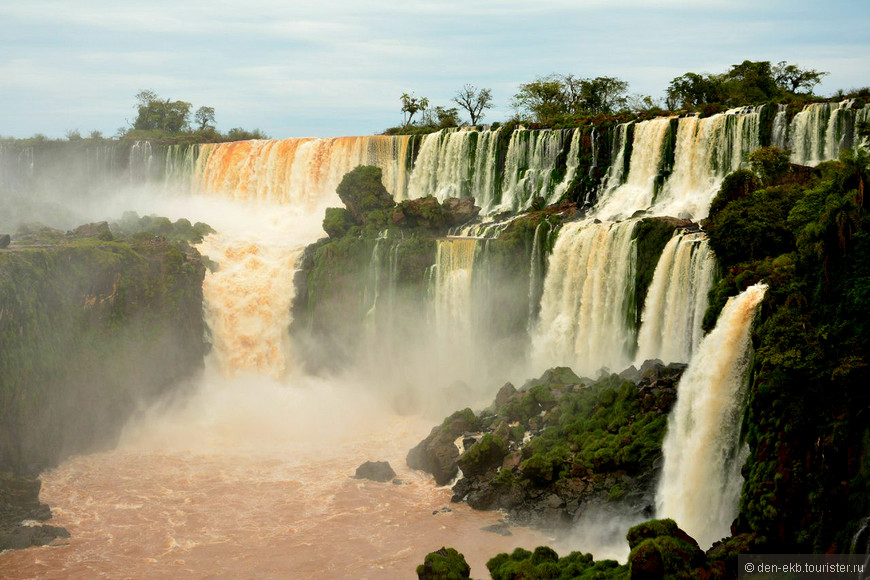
444,564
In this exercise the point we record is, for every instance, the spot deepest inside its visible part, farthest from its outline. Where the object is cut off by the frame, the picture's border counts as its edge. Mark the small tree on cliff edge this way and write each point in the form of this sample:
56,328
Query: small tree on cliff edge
411,105
475,101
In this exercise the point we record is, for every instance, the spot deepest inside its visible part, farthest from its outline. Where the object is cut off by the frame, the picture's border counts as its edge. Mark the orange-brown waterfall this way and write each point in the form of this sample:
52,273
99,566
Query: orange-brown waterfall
247,303
301,172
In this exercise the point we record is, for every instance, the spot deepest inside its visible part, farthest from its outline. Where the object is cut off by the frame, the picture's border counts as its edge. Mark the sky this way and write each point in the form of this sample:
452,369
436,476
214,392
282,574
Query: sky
338,67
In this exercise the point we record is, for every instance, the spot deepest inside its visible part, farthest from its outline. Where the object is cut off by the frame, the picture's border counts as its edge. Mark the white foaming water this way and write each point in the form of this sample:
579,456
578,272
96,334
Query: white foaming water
677,299
701,481
706,151
456,164
821,130
584,318
639,187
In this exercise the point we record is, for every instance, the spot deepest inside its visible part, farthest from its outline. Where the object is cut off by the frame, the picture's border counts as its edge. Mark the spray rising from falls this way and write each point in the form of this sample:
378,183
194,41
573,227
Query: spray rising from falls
677,299
585,318
701,481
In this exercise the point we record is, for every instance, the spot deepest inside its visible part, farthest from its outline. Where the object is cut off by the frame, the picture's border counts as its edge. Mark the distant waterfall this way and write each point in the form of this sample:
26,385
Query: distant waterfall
616,173
677,299
450,289
779,131
821,130
457,164
706,150
639,187
572,164
701,481
528,172
584,320
302,172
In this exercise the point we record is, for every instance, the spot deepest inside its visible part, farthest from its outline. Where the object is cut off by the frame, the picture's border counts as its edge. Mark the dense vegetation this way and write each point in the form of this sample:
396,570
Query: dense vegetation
91,321
806,478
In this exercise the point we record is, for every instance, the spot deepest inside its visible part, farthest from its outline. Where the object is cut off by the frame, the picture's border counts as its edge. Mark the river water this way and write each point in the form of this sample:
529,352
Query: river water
252,478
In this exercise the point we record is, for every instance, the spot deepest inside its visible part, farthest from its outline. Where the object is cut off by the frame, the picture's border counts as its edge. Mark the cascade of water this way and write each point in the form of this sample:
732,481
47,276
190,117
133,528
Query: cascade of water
700,483
450,295
821,130
677,299
616,173
572,163
457,164
247,303
779,132
637,191
301,172
531,159
707,150
584,320
141,157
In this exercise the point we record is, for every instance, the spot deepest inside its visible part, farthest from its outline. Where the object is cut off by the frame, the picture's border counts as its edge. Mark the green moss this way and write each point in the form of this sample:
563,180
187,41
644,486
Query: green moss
106,323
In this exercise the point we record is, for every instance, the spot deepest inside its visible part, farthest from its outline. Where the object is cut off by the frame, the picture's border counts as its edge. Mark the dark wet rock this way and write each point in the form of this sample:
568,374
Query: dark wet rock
5,240
504,395
19,502
375,471
437,453
22,537
459,210
502,529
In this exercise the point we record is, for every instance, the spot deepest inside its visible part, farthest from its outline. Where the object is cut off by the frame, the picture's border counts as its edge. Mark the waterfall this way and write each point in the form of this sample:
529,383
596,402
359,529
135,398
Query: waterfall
701,481
637,191
141,158
620,147
572,163
584,320
247,302
779,132
677,299
303,172
707,150
821,130
541,242
457,164
531,159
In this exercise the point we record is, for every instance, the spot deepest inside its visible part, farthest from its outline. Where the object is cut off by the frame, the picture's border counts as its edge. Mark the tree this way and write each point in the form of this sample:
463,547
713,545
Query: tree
475,101
544,99
691,90
411,105
793,79
155,113
205,117
750,83
603,94
441,117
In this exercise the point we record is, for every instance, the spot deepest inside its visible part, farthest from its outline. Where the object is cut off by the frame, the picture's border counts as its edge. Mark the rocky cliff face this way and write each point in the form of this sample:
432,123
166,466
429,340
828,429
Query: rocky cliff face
90,328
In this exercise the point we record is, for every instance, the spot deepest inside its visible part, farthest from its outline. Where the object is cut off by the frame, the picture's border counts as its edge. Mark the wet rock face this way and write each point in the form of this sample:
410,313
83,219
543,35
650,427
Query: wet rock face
19,502
375,471
437,453
558,446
